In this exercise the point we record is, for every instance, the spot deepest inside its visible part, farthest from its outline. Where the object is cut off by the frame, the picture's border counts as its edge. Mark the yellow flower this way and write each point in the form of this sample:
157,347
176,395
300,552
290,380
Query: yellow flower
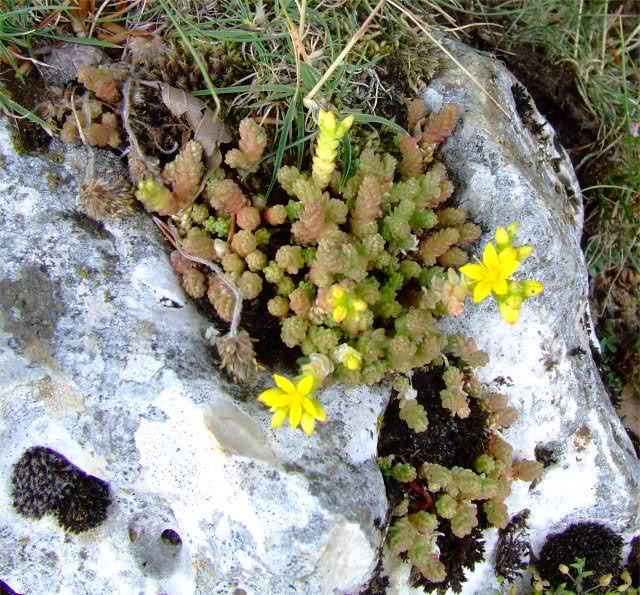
344,304
295,401
493,273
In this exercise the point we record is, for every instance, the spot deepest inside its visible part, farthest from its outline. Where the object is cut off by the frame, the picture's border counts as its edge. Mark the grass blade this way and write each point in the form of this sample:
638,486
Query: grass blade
282,142
367,119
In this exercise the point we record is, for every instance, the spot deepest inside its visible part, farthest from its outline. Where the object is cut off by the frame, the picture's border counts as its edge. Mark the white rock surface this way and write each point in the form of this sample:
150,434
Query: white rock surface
102,358
510,169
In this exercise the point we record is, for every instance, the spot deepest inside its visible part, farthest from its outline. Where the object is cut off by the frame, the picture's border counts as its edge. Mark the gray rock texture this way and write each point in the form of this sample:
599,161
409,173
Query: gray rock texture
103,359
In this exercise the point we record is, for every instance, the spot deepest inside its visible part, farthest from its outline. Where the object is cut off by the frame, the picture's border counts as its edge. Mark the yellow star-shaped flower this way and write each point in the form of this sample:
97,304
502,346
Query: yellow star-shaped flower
493,273
344,304
295,401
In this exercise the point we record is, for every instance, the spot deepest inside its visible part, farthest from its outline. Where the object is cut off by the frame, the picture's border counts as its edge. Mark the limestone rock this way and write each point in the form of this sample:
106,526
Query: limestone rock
103,359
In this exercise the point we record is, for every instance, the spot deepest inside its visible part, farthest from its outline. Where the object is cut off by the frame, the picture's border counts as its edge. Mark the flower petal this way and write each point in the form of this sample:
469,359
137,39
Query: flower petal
321,414
481,291
278,418
476,272
308,424
308,407
490,256
511,315
284,383
267,394
274,397
295,414
305,386
500,286
509,262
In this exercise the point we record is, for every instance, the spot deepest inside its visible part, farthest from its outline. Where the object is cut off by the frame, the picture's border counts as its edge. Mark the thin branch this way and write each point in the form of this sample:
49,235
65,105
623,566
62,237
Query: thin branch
170,233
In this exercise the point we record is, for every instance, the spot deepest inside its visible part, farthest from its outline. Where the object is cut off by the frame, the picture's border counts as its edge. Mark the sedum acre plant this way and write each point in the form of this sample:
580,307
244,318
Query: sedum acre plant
356,267
364,264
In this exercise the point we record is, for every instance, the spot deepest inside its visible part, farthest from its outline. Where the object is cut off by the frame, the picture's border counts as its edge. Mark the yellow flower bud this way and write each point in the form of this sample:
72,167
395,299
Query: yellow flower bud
348,356
564,569
524,252
344,126
626,577
359,305
605,580
353,362
338,292
532,288
510,315
513,230
324,159
502,238
327,121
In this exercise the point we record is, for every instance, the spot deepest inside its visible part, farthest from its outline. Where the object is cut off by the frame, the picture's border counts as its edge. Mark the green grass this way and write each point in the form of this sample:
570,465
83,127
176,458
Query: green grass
264,36
602,47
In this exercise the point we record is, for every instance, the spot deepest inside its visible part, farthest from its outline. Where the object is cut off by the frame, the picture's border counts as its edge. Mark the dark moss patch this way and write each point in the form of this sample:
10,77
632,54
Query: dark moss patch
600,547
6,589
525,109
635,440
605,372
633,563
577,352
545,454
171,537
88,224
44,482
513,550
378,584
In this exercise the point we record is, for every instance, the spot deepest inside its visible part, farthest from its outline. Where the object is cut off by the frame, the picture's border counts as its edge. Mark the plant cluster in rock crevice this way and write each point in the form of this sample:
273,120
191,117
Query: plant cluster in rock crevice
448,472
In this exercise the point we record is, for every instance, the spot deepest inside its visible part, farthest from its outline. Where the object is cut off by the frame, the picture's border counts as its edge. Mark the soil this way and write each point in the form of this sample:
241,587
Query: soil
597,544
29,93
449,441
